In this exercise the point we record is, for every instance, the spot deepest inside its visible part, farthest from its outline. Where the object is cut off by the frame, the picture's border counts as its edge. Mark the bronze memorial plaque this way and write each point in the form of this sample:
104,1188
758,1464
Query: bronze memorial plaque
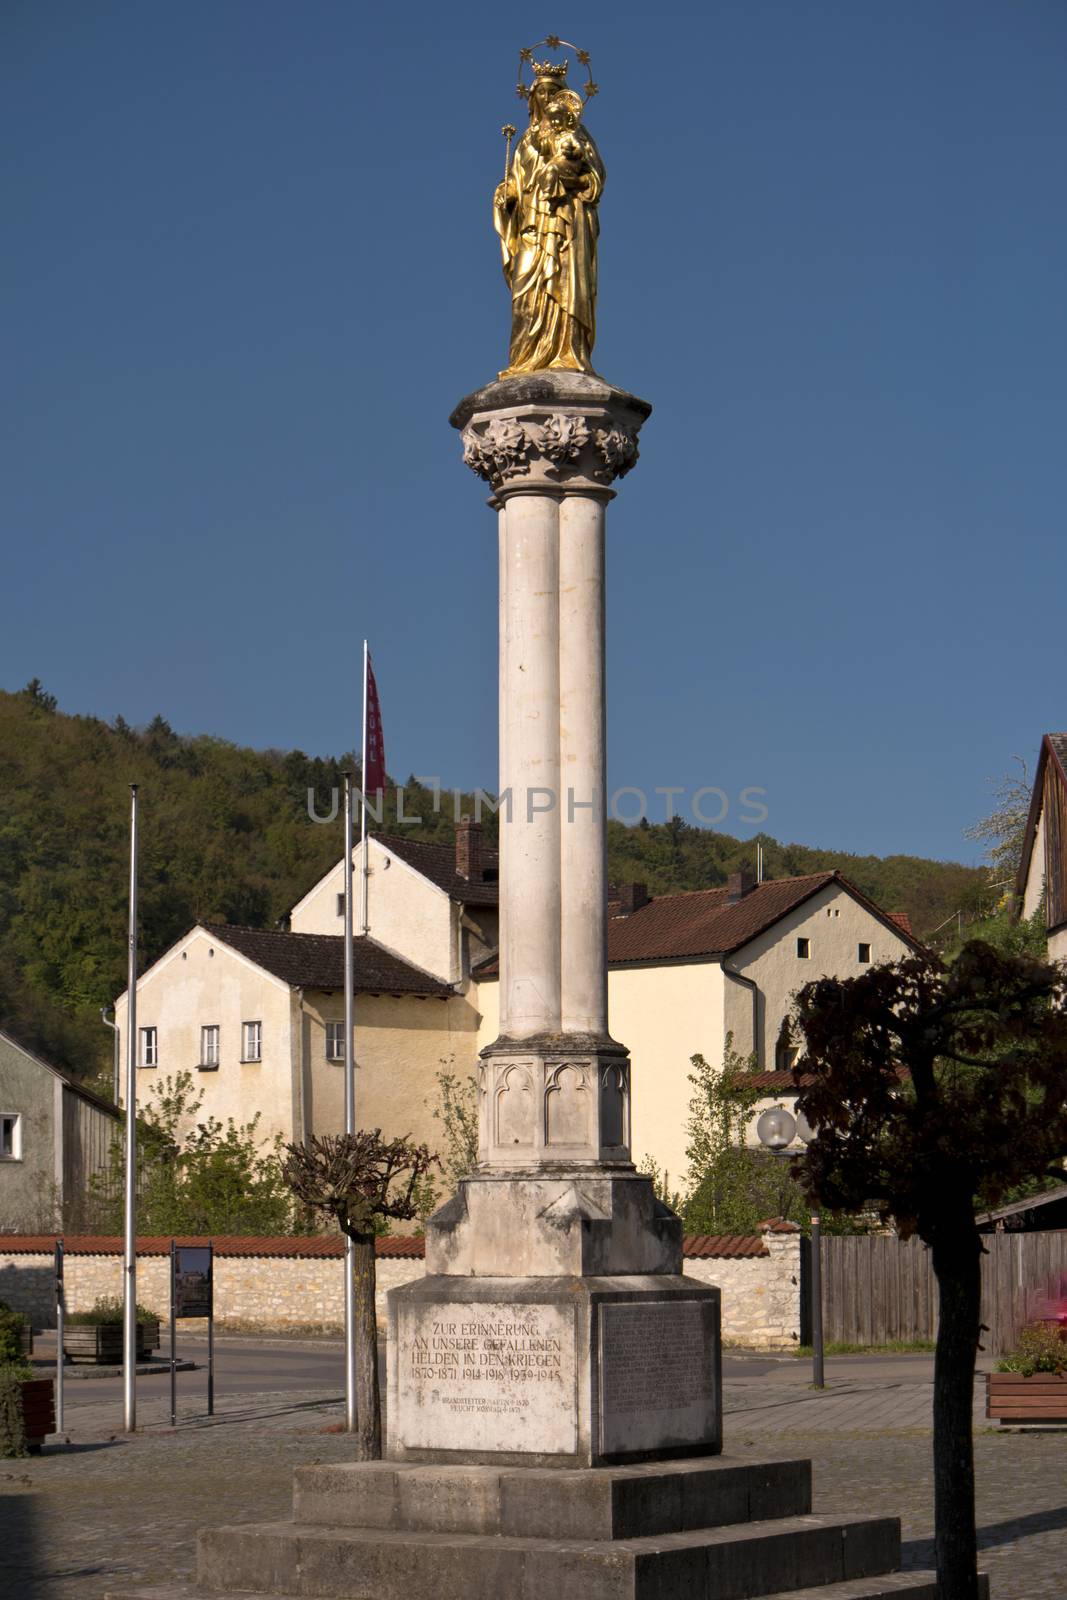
657,1374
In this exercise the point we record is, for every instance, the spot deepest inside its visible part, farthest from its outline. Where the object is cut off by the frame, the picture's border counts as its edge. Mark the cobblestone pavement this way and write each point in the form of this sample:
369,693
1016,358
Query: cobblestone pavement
105,1510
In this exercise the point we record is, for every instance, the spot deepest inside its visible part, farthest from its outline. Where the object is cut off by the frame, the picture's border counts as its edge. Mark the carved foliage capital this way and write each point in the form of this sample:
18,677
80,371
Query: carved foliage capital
554,449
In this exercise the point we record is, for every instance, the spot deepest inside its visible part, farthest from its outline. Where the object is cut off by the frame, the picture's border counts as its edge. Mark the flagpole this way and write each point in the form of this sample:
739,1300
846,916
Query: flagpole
363,864
350,1118
129,1305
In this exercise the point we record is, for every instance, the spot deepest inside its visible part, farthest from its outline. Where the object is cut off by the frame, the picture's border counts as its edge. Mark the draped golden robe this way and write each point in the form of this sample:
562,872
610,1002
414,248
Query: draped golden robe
546,217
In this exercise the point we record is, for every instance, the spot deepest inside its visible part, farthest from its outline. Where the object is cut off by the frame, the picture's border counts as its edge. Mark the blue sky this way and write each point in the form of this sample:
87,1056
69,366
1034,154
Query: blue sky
249,269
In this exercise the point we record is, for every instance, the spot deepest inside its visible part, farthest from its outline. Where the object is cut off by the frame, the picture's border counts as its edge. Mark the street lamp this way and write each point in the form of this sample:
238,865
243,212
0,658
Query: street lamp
776,1130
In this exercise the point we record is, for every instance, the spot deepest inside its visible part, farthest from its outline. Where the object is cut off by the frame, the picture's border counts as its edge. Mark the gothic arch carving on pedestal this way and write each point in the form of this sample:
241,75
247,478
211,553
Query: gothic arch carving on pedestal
514,1106
567,1106
615,1106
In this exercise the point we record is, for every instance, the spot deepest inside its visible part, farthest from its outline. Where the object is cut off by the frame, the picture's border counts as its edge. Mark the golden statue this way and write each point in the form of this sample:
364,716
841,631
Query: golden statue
545,212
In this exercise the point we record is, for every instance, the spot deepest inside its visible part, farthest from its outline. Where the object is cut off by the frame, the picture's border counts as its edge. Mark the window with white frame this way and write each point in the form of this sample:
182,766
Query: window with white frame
251,1041
209,1045
149,1047
335,1041
864,954
10,1136
803,949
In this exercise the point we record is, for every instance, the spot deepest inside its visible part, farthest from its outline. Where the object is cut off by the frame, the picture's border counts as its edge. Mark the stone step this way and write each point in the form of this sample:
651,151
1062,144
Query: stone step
530,1503
891,1586
730,1563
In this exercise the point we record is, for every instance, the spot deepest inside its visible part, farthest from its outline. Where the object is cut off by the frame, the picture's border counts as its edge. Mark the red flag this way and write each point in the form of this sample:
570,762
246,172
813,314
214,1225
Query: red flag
373,743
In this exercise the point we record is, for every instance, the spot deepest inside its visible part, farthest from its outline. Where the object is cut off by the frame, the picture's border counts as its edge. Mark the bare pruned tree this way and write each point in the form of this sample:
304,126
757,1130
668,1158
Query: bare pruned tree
361,1180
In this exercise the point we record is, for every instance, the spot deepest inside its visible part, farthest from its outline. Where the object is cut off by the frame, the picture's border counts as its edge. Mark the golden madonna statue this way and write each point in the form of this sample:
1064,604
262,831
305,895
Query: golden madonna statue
546,215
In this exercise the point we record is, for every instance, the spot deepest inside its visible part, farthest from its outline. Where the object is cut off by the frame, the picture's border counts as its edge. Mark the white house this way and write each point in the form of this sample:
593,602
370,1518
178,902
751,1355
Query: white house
257,1015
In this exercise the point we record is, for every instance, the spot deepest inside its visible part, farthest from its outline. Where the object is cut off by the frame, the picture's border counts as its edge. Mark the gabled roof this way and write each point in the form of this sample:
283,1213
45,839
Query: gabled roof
316,961
706,923
1053,755
64,1077
438,863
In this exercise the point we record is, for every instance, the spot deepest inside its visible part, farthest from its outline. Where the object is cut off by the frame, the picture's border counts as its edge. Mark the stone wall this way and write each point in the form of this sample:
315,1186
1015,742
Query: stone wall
253,1294
760,1294
296,1292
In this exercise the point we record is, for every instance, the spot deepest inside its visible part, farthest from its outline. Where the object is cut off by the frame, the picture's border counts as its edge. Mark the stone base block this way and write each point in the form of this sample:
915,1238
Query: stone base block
553,1372
553,1223
759,1558
527,1503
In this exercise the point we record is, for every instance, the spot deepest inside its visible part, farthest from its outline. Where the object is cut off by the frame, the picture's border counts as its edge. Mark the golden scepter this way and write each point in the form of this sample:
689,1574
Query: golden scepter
508,130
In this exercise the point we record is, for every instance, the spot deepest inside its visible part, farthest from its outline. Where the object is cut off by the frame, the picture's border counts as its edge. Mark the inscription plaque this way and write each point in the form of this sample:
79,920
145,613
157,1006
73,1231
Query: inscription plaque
487,1377
657,1375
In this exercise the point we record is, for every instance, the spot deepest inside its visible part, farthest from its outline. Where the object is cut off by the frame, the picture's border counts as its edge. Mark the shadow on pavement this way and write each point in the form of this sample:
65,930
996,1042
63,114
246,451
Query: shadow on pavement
917,1553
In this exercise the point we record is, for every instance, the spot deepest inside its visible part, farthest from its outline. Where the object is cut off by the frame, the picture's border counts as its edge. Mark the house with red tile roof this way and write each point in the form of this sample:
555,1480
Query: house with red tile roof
685,971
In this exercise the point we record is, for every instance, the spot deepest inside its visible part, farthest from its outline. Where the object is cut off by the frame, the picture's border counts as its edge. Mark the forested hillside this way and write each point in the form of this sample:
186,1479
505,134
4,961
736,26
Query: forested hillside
226,836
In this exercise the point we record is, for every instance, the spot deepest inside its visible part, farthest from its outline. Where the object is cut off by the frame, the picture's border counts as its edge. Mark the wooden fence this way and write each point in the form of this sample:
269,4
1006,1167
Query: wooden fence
879,1289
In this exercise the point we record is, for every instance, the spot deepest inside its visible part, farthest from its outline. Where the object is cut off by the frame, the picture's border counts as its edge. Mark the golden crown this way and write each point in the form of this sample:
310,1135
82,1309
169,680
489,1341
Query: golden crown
553,71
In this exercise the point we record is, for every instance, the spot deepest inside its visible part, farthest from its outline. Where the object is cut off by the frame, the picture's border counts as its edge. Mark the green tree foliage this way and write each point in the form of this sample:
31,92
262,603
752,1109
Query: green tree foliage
1011,936
11,1325
982,1041
457,1112
12,1423
197,1178
731,1187
1002,830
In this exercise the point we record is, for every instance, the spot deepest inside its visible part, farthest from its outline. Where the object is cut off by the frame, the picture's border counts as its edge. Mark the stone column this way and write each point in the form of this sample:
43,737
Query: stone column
583,834
555,1086
529,768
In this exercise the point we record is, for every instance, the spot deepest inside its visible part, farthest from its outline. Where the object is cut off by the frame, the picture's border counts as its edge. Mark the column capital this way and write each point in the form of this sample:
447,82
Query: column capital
550,433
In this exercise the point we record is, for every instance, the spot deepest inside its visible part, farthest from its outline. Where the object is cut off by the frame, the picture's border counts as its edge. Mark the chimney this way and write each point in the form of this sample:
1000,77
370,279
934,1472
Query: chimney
738,884
632,896
469,849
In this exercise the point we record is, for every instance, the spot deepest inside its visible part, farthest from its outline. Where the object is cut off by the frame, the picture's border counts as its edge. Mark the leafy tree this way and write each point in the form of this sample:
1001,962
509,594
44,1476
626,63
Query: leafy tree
457,1112
194,1177
458,1116
1024,936
661,1184
38,696
731,1187
982,1042
1002,831
351,1177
